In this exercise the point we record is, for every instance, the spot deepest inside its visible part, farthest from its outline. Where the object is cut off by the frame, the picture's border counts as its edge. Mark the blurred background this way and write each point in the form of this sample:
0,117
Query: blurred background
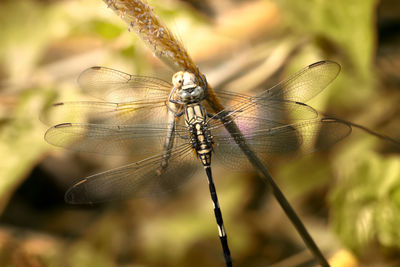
348,196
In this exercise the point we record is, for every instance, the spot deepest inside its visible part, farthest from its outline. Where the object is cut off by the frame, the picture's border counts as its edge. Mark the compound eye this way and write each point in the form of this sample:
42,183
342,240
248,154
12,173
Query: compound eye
190,77
177,79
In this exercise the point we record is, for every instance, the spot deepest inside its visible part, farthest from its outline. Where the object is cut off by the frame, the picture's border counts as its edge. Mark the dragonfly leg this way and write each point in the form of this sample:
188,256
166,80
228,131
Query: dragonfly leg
179,114
169,141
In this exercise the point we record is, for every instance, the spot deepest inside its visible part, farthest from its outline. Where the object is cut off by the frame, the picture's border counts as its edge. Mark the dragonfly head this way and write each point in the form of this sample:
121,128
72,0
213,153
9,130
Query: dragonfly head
187,87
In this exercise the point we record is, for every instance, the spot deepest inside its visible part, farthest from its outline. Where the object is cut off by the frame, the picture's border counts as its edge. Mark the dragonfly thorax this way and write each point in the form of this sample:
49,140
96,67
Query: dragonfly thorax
187,89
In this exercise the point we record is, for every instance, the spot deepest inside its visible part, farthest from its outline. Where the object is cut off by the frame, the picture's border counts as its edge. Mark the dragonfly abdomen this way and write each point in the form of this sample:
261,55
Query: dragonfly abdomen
202,143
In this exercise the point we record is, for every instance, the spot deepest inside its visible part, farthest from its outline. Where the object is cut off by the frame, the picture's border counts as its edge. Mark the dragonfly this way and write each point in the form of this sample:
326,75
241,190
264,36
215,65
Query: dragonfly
169,126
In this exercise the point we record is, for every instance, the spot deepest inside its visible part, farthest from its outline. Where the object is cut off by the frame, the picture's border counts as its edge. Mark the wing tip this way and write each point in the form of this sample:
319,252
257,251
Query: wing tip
75,195
58,104
63,125
86,71
323,62
316,64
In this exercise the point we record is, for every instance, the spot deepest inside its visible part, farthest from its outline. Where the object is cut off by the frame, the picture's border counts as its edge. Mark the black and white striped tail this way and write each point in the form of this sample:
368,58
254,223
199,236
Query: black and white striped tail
218,217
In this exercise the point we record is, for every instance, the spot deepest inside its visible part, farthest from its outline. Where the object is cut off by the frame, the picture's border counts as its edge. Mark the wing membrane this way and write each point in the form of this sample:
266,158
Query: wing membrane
268,111
106,112
116,86
142,139
306,83
268,139
142,178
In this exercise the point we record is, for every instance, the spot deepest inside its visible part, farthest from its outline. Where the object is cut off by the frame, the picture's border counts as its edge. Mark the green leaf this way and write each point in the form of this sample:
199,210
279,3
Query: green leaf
21,141
343,30
366,206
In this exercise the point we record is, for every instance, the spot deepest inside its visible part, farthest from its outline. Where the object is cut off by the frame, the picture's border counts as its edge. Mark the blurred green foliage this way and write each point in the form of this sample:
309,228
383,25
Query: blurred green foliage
364,204
365,201
343,30
21,141
104,29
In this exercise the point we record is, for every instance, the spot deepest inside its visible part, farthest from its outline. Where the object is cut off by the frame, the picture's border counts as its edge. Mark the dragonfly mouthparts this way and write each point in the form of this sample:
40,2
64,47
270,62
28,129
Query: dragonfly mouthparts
189,87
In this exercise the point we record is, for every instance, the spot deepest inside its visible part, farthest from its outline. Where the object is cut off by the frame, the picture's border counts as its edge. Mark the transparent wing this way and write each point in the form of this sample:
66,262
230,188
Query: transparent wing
138,179
228,99
154,111
306,83
286,97
275,122
265,112
270,139
283,102
112,128
139,139
116,86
